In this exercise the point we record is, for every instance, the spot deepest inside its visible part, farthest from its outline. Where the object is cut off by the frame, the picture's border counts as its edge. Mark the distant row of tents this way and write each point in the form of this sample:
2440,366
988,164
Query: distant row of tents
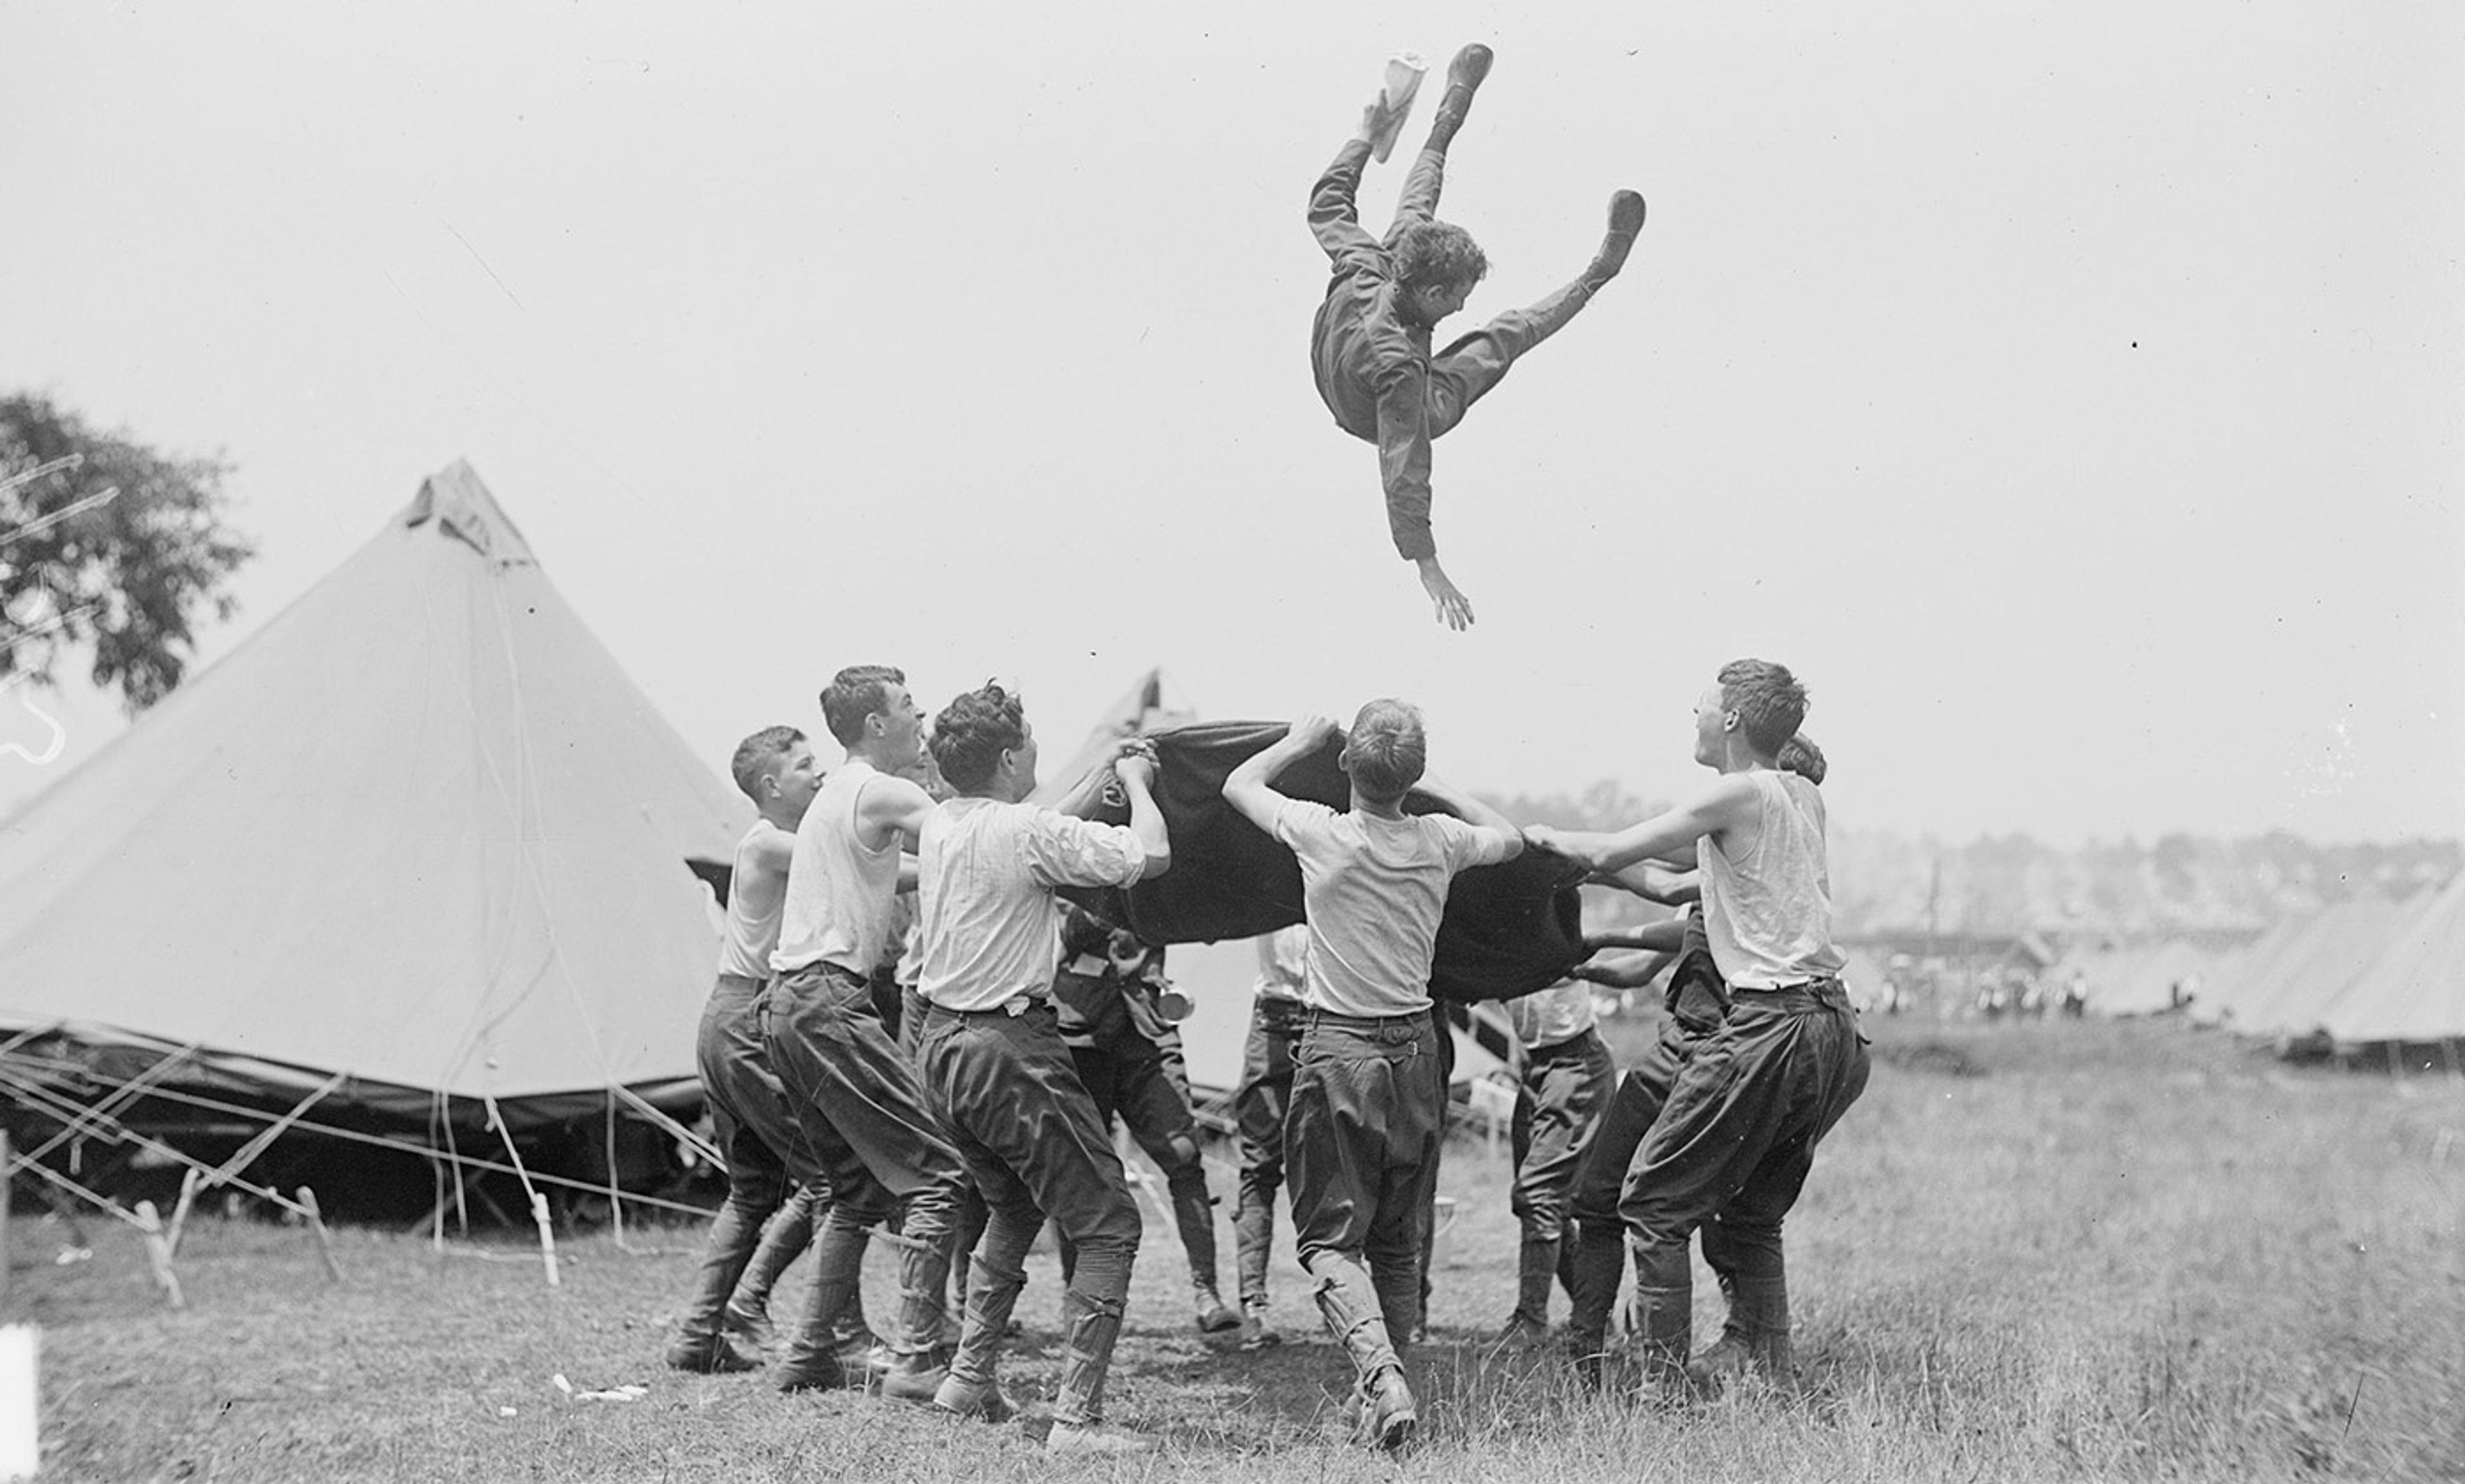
2362,974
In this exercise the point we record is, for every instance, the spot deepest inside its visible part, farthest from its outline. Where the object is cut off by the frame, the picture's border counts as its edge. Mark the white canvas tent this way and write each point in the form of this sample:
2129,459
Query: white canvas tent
2414,991
2291,992
2233,975
416,851
2147,985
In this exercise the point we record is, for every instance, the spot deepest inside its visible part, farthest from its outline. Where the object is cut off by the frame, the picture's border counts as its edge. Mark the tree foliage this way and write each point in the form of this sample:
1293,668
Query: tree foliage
115,551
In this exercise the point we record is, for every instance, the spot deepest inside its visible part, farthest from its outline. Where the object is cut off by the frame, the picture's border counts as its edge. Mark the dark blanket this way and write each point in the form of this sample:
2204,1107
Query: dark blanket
1509,929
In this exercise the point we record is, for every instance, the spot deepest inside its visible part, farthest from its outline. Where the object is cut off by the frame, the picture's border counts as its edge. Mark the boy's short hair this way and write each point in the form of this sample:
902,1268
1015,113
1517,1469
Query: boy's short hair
972,732
1428,252
1386,751
854,693
1769,702
758,756
1800,756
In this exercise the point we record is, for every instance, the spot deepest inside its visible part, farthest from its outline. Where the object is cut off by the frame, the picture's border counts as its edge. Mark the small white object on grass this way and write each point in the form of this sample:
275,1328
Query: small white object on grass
20,1448
630,1392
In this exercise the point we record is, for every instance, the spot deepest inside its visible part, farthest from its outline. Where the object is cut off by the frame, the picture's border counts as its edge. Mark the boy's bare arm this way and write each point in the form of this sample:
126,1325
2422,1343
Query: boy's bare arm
1136,770
1632,973
1654,884
1660,937
772,850
1669,837
1464,805
890,805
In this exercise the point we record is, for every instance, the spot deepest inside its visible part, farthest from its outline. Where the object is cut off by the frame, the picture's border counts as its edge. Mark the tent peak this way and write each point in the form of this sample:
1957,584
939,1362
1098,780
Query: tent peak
463,509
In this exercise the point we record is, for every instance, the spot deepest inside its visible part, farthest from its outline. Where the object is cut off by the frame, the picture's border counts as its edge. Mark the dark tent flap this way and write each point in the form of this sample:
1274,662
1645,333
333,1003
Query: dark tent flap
1509,929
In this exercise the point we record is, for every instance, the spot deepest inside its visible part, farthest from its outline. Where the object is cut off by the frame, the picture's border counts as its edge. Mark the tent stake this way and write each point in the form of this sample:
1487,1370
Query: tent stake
547,1236
325,1237
616,1194
159,1250
189,1179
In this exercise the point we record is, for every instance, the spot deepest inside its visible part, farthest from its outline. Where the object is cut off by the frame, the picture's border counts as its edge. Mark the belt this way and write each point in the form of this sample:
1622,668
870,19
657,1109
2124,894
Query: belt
824,969
1318,1017
1801,986
1008,1010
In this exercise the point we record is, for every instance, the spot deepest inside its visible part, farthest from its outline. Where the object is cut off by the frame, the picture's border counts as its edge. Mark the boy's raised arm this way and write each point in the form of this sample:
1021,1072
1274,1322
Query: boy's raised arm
1087,795
1247,787
1464,805
1136,770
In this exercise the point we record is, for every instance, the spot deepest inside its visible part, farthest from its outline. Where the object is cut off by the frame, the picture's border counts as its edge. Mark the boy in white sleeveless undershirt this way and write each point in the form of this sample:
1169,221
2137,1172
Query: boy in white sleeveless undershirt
857,1106
1732,1148
750,1113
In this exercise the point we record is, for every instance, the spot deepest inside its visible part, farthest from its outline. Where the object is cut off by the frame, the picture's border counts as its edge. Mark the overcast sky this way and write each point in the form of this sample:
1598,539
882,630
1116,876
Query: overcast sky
2070,393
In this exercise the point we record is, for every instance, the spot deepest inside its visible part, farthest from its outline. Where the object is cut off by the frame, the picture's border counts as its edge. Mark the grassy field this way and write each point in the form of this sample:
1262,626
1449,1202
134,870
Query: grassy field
2055,1251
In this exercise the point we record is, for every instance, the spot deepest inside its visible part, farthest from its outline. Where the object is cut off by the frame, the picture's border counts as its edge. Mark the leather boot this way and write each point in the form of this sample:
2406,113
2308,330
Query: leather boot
700,1343
1464,77
1536,1269
1256,1334
922,1363
1091,1320
1194,1212
992,1291
1386,1413
1402,1302
983,1400
1599,1263
1091,1316
1215,1316
1626,223
815,1359
784,1240
1754,1340
1664,1324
